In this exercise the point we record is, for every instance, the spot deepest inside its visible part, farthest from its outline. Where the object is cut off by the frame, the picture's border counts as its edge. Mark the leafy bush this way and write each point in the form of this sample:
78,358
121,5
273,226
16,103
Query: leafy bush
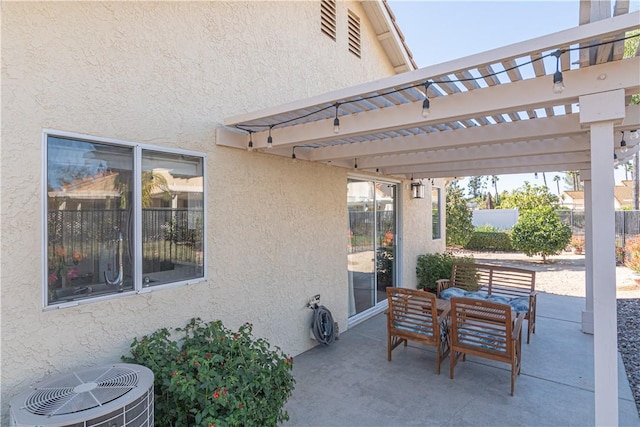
539,231
577,243
211,375
490,241
384,267
487,228
632,254
432,267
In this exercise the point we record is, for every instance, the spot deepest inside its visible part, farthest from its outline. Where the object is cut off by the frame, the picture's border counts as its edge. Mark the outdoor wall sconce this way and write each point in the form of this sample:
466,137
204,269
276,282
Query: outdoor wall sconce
417,189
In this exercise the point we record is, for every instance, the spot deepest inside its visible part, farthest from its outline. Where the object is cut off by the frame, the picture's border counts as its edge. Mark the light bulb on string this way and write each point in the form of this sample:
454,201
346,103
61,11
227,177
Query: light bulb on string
336,121
250,144
558,81
270,139
623,144
426,107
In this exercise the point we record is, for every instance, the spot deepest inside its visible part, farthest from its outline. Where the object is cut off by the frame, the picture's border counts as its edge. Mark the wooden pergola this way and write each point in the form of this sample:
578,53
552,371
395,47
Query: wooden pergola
491,113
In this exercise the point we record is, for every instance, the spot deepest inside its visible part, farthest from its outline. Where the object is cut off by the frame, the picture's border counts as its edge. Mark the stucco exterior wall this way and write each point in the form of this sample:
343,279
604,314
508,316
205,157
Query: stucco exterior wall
167,74
417,233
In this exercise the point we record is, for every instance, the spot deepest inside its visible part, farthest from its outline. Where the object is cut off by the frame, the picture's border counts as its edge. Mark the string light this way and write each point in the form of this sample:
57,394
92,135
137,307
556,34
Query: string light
558,87
426,110
623,144
250,144
558,83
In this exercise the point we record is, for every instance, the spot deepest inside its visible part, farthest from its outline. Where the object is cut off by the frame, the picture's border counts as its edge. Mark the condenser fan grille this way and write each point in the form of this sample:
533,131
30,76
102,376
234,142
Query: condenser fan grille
80,391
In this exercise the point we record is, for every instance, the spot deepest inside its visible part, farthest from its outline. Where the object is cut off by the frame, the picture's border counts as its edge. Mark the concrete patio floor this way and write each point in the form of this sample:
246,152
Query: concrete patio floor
351,383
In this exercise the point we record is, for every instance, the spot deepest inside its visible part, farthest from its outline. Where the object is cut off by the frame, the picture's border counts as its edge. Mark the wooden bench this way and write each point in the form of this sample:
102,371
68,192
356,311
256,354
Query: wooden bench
507,285
413,316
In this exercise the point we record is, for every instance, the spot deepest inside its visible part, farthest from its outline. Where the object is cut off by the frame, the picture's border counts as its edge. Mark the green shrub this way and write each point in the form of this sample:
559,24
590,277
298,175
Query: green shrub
539,231
490,241
632,253
432,267
487,228
211,375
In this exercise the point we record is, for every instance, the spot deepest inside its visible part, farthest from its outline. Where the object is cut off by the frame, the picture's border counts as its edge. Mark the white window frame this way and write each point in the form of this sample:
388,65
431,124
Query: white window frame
439,202
137,213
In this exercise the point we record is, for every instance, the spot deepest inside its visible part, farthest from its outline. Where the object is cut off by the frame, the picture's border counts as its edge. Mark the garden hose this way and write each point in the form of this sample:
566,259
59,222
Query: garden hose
322,325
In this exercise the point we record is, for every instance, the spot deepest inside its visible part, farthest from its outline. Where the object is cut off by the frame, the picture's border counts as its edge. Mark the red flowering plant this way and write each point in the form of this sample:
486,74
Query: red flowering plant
206,374
632,254
62,267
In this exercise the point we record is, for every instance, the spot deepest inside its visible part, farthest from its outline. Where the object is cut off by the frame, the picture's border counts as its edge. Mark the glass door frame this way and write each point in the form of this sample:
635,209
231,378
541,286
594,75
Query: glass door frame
397,265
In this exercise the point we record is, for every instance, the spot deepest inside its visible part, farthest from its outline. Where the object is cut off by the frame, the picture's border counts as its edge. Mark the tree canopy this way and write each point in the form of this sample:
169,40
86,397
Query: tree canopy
528,197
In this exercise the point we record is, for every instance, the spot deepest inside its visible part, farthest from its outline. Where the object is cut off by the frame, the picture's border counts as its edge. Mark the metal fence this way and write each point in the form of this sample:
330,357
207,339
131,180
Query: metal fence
168,235
627,224
361,226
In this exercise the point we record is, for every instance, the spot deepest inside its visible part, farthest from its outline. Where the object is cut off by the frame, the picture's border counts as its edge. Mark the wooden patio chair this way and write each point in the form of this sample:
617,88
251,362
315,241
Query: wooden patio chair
413,316
486,329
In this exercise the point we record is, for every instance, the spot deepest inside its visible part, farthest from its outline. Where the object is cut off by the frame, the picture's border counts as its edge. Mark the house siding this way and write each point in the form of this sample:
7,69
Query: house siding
167,74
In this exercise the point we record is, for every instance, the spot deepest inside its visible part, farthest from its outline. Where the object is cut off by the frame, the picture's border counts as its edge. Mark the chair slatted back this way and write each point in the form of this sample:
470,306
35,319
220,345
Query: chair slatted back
482,327
507,281
413,313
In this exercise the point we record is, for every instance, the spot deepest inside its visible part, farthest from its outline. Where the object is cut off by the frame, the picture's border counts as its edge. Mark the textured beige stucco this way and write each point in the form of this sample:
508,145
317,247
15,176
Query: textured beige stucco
167,74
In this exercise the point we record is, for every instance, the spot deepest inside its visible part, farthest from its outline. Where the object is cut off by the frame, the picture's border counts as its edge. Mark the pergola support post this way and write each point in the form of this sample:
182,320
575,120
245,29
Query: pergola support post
587,313
599,112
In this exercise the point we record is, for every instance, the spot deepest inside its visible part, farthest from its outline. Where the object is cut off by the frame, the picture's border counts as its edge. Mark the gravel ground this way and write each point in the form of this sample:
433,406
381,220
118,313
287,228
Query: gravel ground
629,342
564,275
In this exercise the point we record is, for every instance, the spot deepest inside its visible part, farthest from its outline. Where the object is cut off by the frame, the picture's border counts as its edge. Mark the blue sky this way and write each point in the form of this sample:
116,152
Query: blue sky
440,31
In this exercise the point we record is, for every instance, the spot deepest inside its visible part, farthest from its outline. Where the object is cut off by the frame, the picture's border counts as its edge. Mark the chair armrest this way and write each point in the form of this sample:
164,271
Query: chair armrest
517,326
533,298
442,316
442,284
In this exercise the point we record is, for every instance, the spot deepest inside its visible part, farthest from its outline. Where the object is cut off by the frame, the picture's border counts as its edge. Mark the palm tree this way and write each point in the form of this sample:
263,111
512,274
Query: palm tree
152,181
556,178
494,182
573,179
628,167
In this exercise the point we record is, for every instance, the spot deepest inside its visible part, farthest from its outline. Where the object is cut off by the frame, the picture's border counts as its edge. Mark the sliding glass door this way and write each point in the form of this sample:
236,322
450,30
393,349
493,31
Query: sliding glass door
372,242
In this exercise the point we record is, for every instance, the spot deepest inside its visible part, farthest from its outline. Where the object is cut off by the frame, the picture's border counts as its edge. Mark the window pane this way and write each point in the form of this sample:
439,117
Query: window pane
172,217
435,213
89,219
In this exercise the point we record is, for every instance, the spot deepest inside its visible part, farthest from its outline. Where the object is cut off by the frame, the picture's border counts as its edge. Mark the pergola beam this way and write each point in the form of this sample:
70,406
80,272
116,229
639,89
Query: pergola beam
518,96
517,150
558,161
499,133
484,171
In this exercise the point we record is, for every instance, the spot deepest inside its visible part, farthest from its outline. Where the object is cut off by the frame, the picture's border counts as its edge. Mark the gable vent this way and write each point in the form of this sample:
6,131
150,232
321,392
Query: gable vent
354,34
328,18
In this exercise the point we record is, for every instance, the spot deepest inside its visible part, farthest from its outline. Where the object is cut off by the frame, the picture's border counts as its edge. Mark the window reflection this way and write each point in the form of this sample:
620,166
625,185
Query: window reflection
172,217
92,219
89,193
435,214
